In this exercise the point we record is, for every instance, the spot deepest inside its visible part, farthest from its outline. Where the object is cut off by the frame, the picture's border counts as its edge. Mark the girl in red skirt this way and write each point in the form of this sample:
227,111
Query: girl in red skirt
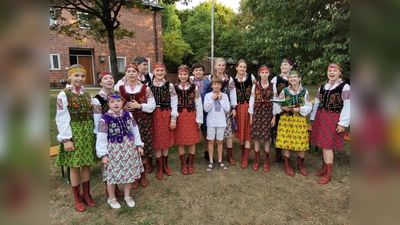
243,84
331,115
139,100
261,118
164,118
190,118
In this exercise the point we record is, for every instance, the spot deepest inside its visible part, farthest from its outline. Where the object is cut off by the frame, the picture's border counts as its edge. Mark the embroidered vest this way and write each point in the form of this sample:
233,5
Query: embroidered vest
295,100
263,96
331,100
140,97
281,84
79,106
119,127
162,96
186,98
103,103
243,90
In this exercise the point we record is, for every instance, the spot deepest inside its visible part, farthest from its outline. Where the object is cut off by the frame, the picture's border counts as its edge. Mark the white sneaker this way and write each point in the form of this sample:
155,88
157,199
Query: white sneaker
130,204
115,205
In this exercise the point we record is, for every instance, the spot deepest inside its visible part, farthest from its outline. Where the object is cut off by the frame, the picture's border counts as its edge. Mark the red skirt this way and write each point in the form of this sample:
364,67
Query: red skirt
163,136
324,133
243,122
186,132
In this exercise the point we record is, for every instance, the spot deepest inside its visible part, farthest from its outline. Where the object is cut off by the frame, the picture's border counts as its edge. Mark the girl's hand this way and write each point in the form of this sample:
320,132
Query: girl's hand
286,108
198,126
105,160
172,125
251,119
273,121
129,106
296,110
135,104
140,150
69,146
340,129
233,112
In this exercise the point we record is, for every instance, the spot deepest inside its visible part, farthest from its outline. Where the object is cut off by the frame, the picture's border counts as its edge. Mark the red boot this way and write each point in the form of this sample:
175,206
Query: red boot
118,193
191,164
87,198
322,171
149,165
165,166
183,164
135,184
143,180
288,166
256,160
266,162
328,175
278,155
301,166
79,205
242,153
159,173
230,156
245,162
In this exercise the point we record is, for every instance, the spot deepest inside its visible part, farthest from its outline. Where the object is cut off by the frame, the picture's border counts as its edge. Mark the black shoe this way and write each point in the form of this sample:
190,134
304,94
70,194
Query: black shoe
206,156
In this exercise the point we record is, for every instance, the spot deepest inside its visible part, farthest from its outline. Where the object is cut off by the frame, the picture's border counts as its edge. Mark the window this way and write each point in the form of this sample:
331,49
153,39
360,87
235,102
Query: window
83,20
55,62
121,63
53,20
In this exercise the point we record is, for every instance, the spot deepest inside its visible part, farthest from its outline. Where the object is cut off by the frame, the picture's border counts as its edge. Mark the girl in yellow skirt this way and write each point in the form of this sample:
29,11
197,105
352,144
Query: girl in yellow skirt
292,129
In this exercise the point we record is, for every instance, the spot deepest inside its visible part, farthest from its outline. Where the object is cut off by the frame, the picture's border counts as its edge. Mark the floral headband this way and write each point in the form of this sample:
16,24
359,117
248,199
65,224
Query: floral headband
114,96
334,66
159,65
183,70
132,65
101,75
264,68
287,61
295,72
76,69
141,60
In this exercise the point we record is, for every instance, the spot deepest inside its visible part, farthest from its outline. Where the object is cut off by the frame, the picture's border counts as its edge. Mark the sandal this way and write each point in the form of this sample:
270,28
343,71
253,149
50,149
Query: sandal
222,165
209,167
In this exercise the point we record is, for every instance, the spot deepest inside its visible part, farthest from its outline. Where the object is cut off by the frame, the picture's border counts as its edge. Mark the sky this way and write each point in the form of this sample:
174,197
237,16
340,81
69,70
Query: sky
234,4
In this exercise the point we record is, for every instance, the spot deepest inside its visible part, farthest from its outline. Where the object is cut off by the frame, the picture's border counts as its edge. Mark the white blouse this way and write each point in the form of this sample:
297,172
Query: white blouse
97,110
304,110
216,119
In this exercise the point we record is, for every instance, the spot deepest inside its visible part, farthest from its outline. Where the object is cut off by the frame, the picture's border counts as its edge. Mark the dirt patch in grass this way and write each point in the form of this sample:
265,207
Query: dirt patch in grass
235,196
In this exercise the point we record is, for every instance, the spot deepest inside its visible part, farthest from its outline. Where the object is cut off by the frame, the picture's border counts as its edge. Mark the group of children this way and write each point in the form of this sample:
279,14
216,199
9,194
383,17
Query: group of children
144,115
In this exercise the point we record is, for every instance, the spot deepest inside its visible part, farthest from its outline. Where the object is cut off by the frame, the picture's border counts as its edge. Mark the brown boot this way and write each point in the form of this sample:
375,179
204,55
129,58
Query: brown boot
183,164
87,198
245,162
79,205
143,180
149,165
322,171
159,173
301,166
165,166
266,161
288,166
191,164
278,155
230,156
135,184
242,153
328,175
256,160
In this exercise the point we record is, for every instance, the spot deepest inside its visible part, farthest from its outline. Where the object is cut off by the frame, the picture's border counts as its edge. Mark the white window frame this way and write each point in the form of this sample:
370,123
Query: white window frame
85,26
52,62
109,63
52,21
148,67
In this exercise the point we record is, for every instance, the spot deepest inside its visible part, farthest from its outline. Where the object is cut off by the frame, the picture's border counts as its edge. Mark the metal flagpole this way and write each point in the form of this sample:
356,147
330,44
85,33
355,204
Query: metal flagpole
212,38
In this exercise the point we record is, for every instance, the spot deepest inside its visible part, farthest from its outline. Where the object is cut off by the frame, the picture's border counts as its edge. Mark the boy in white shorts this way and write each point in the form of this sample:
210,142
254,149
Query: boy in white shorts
216,104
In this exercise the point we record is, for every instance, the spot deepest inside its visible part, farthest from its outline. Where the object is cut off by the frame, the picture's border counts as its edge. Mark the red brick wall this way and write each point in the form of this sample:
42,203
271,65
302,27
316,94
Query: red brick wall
143,44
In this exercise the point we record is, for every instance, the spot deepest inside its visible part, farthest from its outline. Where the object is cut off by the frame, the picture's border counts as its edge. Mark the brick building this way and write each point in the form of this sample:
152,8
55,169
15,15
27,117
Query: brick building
65,51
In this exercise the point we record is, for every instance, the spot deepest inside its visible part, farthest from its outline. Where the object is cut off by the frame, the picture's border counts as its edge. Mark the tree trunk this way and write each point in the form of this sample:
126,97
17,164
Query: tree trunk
113,54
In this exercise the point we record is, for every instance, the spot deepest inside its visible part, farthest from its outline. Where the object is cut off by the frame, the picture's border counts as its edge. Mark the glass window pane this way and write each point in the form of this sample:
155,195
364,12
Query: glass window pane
55,62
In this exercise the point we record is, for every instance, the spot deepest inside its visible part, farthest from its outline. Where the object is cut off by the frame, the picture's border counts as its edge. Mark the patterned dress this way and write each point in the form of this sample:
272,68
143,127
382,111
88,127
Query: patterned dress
261,109
74,121
190,114
118,137
332,107
292,128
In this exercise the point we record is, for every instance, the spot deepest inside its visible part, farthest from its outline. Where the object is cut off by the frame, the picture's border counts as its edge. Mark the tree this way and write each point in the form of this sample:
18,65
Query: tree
313,33
102,17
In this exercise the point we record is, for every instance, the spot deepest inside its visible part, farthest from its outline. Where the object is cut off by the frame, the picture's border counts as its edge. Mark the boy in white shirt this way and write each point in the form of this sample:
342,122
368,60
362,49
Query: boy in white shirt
216,104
